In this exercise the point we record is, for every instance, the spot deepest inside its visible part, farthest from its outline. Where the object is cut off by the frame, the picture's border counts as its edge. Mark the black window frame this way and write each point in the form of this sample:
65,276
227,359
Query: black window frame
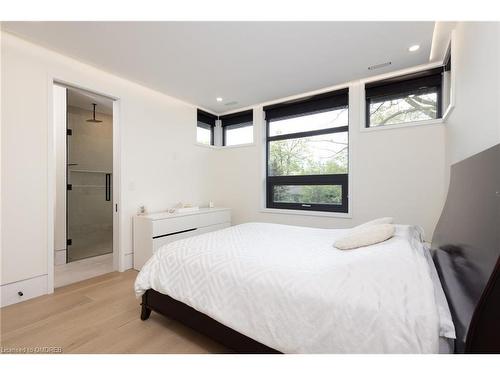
207,121
303,107
447,62
429,80
234,121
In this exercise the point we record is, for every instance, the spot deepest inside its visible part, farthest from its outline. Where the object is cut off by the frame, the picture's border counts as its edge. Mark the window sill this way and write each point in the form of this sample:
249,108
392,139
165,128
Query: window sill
237,146
338,215
205,145
448,112
438,121
213,147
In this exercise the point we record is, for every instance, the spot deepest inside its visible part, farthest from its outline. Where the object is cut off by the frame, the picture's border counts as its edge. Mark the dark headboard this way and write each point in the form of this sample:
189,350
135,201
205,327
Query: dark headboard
466,247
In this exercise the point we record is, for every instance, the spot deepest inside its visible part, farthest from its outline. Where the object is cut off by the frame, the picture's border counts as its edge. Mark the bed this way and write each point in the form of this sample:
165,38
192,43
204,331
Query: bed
269,288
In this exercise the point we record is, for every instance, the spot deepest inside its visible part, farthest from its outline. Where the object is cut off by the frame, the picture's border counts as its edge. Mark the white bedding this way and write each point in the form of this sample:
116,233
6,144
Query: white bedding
290,289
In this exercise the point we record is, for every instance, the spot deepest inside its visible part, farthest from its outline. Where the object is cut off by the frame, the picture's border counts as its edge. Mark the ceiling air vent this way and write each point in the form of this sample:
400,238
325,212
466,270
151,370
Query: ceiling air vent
378,66
231,103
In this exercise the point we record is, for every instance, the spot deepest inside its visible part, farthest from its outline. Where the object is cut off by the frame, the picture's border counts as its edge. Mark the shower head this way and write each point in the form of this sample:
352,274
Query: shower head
93,119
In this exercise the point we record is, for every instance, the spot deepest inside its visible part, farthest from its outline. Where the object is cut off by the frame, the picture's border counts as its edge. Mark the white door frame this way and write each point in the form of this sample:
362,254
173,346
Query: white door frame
118,255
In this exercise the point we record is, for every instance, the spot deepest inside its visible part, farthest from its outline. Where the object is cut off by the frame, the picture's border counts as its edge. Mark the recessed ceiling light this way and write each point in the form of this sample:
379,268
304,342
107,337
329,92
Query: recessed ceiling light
219,99
414,48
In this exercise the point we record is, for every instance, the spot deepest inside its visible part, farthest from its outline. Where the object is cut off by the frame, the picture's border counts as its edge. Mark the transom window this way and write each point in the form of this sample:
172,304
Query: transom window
237,128
307,153
205,127
403,99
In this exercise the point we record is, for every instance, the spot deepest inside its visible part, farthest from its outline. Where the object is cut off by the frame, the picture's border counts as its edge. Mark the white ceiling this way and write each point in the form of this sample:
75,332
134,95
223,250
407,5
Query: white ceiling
83,99
243,62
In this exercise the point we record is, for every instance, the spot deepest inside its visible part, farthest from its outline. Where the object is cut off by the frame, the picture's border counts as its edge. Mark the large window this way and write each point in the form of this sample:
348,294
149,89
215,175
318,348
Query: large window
205,127
408,98
237,128
307,153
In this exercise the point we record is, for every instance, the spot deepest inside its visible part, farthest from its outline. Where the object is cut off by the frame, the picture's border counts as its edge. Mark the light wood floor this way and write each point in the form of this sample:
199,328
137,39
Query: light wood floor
99,315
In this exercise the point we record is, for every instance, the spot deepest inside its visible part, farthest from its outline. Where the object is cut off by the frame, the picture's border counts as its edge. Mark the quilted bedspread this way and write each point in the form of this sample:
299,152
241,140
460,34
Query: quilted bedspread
290,289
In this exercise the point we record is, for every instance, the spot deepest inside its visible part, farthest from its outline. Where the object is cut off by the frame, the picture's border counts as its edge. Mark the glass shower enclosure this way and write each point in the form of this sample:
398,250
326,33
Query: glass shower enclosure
89,201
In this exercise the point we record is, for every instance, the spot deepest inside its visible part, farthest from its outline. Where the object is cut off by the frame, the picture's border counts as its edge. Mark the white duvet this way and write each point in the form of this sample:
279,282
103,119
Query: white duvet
290,289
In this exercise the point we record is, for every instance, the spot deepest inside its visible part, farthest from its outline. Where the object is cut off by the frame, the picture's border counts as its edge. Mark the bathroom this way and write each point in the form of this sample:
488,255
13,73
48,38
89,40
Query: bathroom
84,193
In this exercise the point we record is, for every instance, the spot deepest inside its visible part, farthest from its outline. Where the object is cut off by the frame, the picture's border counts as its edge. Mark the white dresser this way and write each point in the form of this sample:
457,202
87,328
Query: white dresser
155,230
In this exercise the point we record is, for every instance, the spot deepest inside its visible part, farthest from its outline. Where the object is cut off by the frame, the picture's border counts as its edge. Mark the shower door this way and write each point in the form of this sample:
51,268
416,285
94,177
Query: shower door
89,186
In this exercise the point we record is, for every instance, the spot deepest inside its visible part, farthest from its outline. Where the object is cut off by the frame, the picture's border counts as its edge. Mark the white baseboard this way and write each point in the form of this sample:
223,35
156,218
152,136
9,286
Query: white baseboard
128,261
60,257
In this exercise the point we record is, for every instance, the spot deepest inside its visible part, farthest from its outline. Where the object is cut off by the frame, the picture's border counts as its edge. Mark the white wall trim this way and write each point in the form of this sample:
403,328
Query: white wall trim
354,115
128,261
454,61
60,257
363,128
242,145
217,134
441,39
206,146
51,186
447,113
279,211
253,144
118,257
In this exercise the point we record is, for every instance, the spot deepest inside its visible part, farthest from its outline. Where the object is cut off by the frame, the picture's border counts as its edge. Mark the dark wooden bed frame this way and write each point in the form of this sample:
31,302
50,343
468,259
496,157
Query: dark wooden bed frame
466,252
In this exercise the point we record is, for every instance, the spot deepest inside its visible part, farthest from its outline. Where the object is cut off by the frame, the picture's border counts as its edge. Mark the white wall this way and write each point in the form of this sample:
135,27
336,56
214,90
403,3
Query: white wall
474,124
395,172
160,165
398,172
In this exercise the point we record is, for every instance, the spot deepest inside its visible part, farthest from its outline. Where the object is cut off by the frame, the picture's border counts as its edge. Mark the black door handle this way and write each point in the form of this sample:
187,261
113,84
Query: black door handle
108,186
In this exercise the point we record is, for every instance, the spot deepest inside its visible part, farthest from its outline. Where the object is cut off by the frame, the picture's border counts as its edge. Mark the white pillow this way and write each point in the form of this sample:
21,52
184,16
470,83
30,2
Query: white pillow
365,236
380,220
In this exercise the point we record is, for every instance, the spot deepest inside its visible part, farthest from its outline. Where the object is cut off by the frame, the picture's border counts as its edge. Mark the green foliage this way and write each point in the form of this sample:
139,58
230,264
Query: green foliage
297,157
306,156
325,194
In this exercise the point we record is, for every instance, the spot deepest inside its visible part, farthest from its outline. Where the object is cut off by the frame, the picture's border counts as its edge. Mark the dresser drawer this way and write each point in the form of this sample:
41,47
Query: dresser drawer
23,290
212,218
153,231
166,226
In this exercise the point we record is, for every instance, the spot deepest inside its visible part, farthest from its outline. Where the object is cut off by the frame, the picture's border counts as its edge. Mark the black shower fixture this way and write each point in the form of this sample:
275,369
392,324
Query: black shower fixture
93,119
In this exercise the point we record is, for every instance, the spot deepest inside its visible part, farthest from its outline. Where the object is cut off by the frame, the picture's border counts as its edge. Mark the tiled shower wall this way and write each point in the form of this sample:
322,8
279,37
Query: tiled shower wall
90,215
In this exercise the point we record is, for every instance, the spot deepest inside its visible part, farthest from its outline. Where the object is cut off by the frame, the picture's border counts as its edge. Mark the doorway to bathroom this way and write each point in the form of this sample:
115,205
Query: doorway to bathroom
89,150
84,219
